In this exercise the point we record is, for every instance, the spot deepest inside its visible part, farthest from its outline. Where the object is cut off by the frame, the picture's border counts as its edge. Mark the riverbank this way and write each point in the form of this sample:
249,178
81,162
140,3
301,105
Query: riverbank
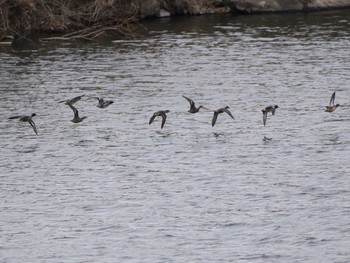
88,18
91,18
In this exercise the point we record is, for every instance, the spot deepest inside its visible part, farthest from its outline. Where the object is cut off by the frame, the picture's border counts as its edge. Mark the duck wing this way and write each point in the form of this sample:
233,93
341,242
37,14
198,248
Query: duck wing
264,117
214,118
229,113
72,101
163,120
33,126
192,104
152,118
77,98
76,112
331,102
15,117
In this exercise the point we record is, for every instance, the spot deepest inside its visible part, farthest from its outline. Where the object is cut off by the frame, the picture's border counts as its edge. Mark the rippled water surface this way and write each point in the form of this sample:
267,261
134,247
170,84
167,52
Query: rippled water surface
116,189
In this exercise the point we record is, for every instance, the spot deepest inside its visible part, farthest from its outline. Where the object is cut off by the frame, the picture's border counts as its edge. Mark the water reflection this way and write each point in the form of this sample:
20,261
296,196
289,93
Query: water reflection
272,25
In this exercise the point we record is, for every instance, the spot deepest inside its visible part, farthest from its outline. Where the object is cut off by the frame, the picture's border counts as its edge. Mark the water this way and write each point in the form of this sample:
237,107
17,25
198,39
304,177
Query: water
116,189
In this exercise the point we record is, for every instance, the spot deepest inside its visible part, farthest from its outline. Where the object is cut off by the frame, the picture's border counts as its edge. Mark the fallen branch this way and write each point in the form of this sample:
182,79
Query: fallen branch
84,19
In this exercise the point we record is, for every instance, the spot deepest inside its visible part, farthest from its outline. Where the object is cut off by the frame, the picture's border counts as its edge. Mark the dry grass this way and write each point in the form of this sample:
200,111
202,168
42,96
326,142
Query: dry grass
83,18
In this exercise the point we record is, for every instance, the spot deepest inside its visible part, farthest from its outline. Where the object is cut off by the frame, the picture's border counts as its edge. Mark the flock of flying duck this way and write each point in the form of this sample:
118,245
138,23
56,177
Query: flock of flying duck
101,104
162,113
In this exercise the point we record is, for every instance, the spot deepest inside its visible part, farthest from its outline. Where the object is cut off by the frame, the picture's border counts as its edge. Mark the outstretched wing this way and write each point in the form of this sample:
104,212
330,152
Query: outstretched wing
331,102
75,99
214,118
76,113
163,120
15,117
33,126
152,118
229,113
72,101
264,117
190,101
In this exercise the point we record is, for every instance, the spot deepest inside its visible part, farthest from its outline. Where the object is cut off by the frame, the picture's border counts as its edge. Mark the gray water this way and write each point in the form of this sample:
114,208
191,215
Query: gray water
116,189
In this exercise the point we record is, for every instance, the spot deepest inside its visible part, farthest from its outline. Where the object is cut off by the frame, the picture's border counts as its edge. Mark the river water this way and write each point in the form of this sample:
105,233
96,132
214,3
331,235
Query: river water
115,189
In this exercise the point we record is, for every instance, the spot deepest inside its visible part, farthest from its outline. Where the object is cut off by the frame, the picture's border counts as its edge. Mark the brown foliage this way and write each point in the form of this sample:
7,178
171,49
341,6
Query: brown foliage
18,18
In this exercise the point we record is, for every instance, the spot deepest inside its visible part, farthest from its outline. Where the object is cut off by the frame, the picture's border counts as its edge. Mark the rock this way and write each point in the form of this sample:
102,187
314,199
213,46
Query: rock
163,13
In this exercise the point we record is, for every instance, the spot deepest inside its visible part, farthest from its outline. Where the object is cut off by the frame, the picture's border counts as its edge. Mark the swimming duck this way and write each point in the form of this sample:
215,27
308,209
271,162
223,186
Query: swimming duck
72,101
28,119
331,106
193,108
161,113
103,103
76,118
218,111
268,109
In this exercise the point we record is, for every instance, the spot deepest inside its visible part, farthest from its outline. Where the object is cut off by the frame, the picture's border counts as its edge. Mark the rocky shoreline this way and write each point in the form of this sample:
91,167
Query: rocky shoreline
199,7
90,18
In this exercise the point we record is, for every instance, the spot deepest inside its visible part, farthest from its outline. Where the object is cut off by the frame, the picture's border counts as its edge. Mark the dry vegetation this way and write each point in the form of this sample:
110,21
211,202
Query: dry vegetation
89,19
82,18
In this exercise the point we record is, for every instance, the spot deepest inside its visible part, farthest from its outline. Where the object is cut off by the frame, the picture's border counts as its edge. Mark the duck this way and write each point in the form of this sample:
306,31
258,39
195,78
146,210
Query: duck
26,118
193,108
266,139
332,107
268,109
218,111
76,118
72,101
161,113
103,103
271,109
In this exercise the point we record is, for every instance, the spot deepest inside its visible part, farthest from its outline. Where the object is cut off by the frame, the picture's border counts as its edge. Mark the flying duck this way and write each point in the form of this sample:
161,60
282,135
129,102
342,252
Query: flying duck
103,103
332,107
161,113
76,118
28,119
268,109
218,111
193,108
